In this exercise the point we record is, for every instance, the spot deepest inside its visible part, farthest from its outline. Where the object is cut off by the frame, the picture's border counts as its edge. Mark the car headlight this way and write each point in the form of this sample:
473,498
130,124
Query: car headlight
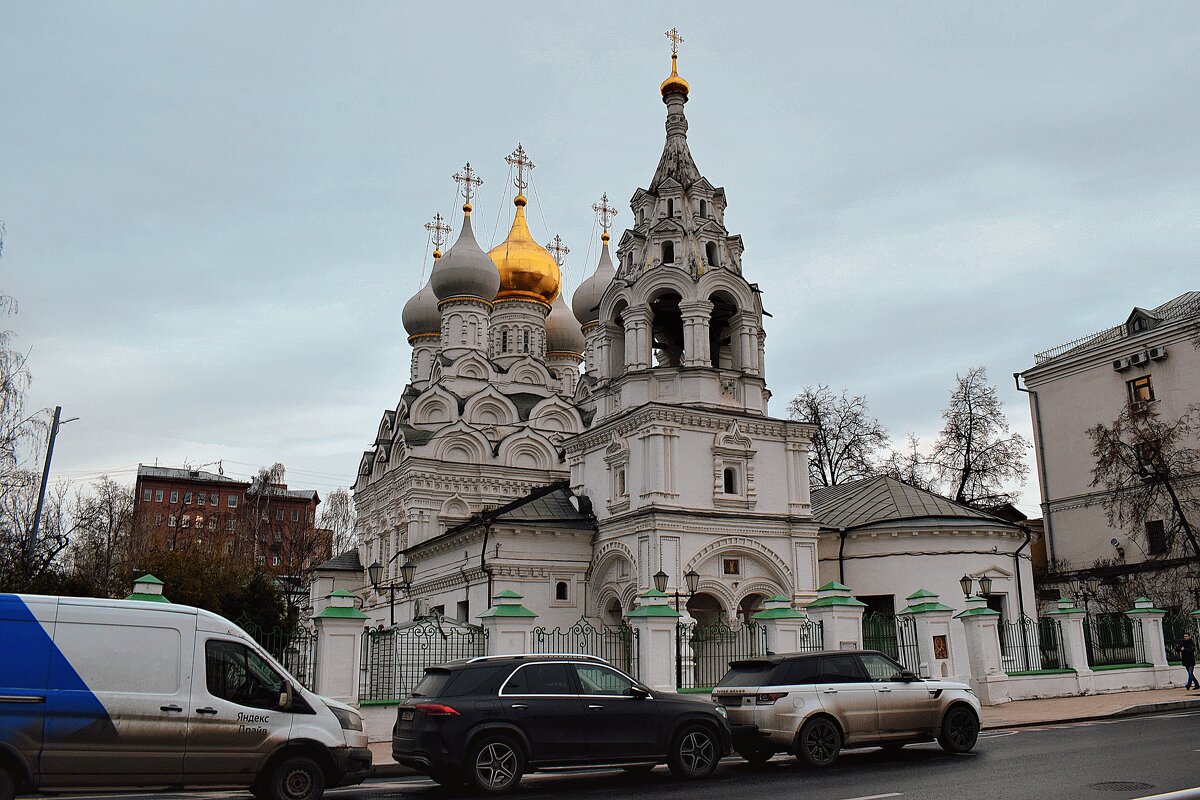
721,710
347,719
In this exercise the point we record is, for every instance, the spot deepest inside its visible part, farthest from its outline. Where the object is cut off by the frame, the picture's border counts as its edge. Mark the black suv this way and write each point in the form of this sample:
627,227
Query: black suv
487,721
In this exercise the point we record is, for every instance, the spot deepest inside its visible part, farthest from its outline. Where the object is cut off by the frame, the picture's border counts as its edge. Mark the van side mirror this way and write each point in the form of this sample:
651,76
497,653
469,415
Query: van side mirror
907,675
285,697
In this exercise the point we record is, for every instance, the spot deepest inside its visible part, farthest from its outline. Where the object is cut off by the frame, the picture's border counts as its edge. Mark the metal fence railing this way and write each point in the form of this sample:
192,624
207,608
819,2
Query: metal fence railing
1175,625
703,653
1029,645
879,633
1113,639
812,637
296,649
617,644
394,659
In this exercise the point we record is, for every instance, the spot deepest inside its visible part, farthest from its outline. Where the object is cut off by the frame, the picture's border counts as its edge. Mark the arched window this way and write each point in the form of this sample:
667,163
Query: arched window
526,342
710,250
670,208
721,351
731,481
704,208
666,329
668,252
621,482
503,341
561,591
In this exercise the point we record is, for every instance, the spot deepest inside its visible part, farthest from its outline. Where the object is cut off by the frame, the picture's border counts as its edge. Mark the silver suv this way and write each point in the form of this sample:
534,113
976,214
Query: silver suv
813,704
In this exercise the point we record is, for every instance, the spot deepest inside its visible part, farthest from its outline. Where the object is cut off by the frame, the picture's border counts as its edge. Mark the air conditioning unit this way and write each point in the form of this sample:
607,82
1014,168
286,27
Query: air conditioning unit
1121,364
1140,359
1157,353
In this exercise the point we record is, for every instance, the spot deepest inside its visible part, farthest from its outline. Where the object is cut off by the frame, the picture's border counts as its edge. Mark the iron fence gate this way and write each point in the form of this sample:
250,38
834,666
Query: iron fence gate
296,650
895,637
1029,645
1051,646
394,659
703,653
616,644
812,637
906,639
1113,639
1175,625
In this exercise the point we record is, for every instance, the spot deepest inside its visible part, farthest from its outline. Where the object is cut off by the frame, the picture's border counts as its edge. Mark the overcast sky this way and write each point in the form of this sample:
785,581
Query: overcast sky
215,210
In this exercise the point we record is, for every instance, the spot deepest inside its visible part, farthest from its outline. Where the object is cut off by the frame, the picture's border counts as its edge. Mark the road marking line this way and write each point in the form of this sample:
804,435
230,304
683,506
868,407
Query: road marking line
876,796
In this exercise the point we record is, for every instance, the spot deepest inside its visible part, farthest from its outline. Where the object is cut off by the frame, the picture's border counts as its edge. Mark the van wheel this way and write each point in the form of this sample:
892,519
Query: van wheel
960,730
296,778
495,764
8,789
695,753
819,742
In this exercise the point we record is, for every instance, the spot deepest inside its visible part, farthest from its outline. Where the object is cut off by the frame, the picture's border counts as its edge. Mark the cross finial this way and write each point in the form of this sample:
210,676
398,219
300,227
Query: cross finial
520,159
437,229
558,249
467,182
605,213
676,40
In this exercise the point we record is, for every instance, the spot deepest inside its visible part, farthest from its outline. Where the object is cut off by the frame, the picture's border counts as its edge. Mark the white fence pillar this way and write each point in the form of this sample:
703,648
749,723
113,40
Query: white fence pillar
1074,644
654,624
1154,643
339,636
840,616
981,629
508,624
934,642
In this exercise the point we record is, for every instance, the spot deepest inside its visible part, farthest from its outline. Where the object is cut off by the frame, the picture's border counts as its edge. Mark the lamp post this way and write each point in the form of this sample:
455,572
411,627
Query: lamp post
985,586
691,577
407,571
55,424
1088,589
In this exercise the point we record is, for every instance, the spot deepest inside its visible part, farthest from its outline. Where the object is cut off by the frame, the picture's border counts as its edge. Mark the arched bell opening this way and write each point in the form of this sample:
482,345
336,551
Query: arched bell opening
616,350
720,332
667,330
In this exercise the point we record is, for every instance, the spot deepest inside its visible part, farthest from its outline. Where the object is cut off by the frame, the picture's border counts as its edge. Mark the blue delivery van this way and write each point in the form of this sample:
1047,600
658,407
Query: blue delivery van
117,694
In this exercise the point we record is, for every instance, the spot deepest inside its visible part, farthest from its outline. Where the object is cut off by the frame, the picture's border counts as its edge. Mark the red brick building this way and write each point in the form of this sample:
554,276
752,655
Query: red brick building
180,509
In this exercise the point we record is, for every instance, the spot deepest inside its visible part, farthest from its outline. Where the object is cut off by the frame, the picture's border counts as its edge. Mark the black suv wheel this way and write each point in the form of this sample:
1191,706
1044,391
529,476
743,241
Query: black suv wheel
819,742
495,764
695,753
960,730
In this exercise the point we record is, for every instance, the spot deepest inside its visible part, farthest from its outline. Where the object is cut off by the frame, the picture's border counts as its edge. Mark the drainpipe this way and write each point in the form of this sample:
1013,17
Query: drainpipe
842,532
483,565
1041,459
1017,564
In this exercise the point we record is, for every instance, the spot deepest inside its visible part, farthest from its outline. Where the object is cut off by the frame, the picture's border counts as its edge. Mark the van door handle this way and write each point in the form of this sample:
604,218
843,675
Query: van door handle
882,689
519,705
171,707
831,691
595,707
206,710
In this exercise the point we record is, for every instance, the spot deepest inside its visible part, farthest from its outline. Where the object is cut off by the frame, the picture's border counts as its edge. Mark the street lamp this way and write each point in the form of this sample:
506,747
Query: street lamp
1192,582
985,586
407,571
56,423
691,577
965,582
1088,589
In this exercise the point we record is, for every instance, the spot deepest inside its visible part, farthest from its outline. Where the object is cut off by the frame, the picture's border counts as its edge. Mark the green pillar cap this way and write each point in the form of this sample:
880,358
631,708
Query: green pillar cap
508,610
148,578
340,612
919,593
147,598
653,593
508,594
834,586
340,593
778,598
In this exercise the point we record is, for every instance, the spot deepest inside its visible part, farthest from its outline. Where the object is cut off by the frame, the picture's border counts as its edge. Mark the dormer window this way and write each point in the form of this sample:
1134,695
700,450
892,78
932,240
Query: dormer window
710,251
668,252
1139,324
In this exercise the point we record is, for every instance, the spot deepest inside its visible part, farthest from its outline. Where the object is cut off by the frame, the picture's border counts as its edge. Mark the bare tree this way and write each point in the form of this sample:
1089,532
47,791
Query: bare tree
1149,472
847,441
99,551
25,563
975,454
910,466
337,517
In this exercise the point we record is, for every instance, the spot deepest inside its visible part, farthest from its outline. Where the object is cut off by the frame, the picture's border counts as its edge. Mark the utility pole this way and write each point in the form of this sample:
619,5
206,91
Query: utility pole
37,515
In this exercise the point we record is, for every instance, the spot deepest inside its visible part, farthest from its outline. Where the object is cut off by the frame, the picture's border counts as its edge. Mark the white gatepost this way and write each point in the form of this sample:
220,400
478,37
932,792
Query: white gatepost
840,616
1154,643
1070,618
508,624
654,623
934,642
787,630
981,632
339,647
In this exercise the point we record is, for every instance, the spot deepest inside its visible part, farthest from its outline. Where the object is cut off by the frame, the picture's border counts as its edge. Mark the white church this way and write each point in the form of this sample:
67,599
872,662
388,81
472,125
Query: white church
571,454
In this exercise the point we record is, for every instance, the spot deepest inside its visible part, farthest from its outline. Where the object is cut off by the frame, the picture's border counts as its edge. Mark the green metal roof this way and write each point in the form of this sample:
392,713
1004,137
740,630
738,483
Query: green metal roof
147,598
516,610
148,578
653,611
834,586
334,612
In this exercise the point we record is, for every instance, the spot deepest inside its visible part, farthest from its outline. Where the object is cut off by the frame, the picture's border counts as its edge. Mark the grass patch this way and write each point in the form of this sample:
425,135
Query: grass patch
1110,667
362,703
697,690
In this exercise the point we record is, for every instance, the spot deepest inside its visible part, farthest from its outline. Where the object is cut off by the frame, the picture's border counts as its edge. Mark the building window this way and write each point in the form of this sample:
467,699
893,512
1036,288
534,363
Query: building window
171,521
1156,537
185,521
214,499
1141,390
710,251
621,482
503,341
562,591
274,561
670,208
279,515
212,523
200,498
232,502
731,480
199,520
731,566
158,495
158,519
174,497
703,209
295,515
668,252
187,498
146,494
525,342
464,611
266,515
231,525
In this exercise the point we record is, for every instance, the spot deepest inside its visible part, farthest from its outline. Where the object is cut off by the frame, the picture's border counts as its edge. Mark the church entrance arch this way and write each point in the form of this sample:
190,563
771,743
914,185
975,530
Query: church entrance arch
612,613
706,609
751,604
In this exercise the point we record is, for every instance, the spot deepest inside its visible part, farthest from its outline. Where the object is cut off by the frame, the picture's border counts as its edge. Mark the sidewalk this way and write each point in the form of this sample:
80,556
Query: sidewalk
1019,714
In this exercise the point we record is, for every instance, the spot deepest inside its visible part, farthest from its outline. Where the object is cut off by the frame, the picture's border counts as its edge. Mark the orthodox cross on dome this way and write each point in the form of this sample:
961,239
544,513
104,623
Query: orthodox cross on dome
467,182
520,159
676,40
605,214
438,229
558,249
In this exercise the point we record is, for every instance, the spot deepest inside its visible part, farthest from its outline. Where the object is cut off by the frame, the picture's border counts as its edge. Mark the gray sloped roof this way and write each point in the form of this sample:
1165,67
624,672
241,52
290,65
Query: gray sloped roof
882,499
175,473
346,562
553,507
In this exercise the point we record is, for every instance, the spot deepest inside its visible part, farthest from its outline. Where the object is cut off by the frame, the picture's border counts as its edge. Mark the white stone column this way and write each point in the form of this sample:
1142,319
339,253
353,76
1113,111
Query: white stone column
1075,646
840,616
696,344
788,630
339,642
1154,642
638,348
981,629
934,643
508,624
653,622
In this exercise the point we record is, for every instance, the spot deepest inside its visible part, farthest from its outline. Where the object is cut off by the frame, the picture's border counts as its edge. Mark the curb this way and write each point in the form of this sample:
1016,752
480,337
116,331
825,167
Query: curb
1128,711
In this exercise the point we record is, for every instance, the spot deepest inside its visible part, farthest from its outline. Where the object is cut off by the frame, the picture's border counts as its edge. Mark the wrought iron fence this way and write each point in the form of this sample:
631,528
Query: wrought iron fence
1113,639
617,644
703,653
296,650
879,633
1051,646
906,640
394,659
812,637
1028,645
1175,625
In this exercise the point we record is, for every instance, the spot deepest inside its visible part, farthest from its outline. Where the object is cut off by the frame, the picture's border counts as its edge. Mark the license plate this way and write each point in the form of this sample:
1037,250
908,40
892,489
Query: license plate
406,716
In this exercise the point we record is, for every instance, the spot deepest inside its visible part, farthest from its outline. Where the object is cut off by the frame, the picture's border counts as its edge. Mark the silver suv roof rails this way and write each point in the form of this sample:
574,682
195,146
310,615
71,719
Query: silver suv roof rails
580,656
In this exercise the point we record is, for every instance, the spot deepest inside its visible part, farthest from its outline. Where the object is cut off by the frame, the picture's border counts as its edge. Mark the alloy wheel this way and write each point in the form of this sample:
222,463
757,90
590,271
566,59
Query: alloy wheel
962,730
497,765
821,742
696,751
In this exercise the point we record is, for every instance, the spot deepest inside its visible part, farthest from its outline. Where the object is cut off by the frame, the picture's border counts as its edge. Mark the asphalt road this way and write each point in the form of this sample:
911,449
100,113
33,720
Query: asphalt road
1114,759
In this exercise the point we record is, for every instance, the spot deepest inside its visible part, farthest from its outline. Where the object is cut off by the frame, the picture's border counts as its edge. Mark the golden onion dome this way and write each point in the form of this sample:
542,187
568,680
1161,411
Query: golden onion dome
674,83
527,270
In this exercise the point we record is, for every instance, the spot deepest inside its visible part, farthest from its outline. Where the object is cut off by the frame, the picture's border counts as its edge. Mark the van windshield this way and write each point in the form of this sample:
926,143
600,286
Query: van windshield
754,673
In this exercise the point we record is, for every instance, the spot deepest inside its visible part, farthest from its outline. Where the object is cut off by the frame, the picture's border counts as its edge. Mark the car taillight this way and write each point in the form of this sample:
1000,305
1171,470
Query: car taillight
768,698
436,710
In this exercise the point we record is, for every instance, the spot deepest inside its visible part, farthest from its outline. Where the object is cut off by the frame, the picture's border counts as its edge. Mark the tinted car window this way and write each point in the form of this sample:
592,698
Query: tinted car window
839,669
236,673
754,674
473,680
880,668
432,684
540,679
595,679
791,673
